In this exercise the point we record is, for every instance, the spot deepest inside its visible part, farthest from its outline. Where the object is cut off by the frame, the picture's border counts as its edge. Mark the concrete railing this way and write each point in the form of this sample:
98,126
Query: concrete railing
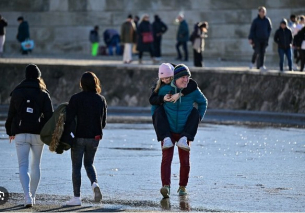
225,88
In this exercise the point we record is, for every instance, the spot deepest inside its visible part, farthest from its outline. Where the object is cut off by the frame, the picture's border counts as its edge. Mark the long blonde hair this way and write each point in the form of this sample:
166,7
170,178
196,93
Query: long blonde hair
159,84
42,84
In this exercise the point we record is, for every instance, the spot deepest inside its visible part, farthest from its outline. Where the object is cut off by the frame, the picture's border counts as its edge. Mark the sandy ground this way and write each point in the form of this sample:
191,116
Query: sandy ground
234,168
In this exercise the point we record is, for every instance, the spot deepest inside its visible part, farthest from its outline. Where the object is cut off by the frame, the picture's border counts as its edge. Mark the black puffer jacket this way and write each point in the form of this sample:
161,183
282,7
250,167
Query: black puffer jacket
29,88
283,37
3,24
299,38
90,110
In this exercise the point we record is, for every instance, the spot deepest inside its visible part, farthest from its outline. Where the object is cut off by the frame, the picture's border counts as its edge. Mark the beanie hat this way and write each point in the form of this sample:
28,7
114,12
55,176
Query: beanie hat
181,70
166,70
32,71
284,21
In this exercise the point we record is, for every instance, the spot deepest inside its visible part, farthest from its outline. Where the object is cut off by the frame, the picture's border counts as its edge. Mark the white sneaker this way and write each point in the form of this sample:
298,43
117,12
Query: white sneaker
97,192
167,143
251,66
263,69
182,143
28,201
75,201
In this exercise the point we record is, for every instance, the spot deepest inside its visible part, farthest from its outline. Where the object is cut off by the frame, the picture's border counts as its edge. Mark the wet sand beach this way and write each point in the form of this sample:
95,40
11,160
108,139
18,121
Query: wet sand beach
233,168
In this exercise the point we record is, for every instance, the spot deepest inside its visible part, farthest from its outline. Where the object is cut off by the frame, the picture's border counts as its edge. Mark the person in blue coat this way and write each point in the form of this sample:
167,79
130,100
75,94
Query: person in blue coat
23,32
259,35
177,114
182,37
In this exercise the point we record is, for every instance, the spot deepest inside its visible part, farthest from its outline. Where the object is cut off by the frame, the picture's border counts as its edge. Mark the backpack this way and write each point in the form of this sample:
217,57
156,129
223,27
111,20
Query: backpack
29,115
58,136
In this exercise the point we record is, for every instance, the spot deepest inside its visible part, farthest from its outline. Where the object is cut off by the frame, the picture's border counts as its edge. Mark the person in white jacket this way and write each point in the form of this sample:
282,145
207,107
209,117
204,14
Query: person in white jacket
198,43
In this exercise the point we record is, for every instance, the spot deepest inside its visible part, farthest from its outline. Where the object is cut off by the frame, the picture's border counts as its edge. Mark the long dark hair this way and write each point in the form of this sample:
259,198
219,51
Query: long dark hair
90,82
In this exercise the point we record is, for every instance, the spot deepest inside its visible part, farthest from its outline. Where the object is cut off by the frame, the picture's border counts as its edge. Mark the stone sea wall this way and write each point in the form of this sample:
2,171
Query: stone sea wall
130,86
63,26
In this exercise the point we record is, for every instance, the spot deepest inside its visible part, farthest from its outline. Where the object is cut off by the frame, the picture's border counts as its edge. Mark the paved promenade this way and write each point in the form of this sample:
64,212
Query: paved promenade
85,60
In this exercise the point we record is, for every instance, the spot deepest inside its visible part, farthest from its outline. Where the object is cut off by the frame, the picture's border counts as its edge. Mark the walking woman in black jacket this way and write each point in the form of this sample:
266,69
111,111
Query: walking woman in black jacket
90,110
30,108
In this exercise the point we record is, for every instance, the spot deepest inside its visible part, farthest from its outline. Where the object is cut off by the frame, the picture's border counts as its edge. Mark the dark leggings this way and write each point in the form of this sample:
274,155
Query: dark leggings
162,128
197,58
83,147
302,57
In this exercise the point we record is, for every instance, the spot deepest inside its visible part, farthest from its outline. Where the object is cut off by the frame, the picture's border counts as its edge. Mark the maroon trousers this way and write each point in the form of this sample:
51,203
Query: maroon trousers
167,157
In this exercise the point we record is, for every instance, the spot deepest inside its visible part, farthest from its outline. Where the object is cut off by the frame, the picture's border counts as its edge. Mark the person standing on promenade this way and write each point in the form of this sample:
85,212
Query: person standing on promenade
299,25
90,110
182,37
145,38
283,37
30,108
177,115
94,39
259,35
292,24
112,39
3,24
197,38
299,42
134,49
23,32
128,37
159,28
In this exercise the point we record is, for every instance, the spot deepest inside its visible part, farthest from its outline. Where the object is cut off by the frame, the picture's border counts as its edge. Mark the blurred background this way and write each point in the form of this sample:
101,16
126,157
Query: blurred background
63,26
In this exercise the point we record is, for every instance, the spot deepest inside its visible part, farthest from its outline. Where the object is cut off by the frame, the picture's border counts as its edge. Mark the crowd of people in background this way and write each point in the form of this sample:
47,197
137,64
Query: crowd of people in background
138,36
290,38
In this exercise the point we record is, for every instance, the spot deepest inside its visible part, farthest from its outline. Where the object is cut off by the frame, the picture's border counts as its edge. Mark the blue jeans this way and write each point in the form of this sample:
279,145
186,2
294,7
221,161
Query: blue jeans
184,45
288,54
83,147
115,42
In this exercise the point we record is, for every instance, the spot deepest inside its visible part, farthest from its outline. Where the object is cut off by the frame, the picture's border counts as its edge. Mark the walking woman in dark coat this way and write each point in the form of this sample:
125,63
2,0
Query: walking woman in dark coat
30,108
90,110
145,38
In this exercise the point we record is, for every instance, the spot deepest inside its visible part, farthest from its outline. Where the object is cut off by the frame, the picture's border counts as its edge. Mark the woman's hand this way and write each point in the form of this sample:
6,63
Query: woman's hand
11,138
175,97
167,98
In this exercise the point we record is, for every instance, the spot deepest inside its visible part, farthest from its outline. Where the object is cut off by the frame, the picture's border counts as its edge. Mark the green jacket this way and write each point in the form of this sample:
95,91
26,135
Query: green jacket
55,134
183,32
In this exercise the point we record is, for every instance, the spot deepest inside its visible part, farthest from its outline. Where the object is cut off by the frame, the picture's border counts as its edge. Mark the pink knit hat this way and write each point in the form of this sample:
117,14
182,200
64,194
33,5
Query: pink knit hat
166,70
